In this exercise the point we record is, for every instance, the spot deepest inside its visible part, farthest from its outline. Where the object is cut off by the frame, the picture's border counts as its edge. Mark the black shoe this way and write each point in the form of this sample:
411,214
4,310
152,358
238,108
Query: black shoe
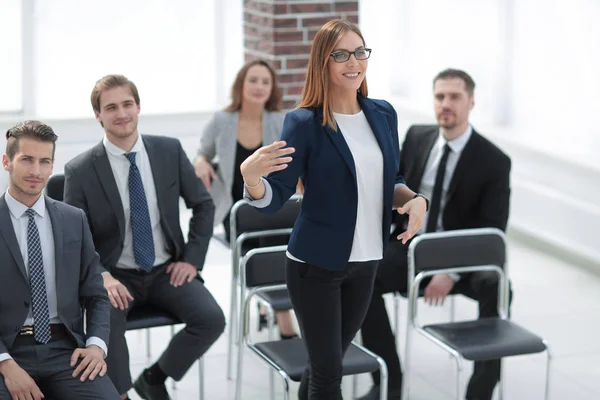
374,394
150,392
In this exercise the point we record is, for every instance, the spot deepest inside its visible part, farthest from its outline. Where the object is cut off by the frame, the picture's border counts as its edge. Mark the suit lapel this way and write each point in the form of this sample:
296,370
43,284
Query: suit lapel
425,146
342,147
107,180
463,163
381,130
157,170
56,218
8,232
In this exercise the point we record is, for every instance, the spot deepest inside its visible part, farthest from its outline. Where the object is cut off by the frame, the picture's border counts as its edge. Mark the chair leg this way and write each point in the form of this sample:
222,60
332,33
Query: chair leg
271,331
548,368
459,368
148,352
173,384
232,326
501,382
383,380
407,363
201,378
242,314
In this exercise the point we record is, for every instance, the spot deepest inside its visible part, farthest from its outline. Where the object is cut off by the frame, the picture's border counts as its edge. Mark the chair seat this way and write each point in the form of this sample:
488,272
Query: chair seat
487,338
278,299
148,316
290,356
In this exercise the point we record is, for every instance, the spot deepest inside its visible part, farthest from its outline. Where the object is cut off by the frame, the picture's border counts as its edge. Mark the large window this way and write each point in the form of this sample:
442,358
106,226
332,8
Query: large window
165,46
432,35
556,71
11,78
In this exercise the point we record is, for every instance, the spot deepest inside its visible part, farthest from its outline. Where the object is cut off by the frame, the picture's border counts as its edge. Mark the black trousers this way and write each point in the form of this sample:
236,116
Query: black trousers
330,307
192,303
49,366
377,332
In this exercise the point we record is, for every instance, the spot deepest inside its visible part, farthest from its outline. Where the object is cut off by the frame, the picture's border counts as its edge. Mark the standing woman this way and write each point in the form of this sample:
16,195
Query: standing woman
344,146
252,119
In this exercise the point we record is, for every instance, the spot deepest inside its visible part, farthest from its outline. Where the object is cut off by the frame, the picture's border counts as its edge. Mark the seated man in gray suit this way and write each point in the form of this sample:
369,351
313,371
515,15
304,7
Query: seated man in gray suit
46,247
129,186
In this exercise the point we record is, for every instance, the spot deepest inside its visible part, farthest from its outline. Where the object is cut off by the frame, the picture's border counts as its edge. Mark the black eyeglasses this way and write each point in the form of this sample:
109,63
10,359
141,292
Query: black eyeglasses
341,56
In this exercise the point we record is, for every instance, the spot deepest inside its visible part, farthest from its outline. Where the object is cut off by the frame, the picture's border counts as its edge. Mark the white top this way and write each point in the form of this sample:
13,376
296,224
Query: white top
120,169
456,145
367,244
19,221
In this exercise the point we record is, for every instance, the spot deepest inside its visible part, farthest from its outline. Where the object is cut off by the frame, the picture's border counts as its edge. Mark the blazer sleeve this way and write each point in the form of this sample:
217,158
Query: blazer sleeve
296,133
92,293
494,202
199,200
208,139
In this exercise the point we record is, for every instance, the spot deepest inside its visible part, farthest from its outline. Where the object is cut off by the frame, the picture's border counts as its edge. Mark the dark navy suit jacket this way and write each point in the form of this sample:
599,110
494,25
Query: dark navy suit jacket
324,230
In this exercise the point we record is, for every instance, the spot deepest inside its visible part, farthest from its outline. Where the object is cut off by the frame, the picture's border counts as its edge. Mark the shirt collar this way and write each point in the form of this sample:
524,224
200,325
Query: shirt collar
17,209
117,151
457,145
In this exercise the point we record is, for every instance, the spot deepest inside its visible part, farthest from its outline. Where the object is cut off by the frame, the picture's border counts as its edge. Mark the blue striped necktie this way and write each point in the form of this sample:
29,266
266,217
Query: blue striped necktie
141,228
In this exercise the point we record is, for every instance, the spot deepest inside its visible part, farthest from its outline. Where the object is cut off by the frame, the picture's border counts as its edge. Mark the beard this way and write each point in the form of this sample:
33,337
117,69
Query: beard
122,132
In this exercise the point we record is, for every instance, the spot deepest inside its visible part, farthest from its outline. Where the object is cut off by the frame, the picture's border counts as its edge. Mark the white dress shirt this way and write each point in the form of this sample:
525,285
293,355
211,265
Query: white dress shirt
456,145
42,220
120,169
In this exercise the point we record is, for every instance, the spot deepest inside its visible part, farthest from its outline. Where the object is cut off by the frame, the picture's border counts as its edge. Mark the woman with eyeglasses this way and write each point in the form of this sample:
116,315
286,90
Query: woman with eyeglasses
344,146
252,119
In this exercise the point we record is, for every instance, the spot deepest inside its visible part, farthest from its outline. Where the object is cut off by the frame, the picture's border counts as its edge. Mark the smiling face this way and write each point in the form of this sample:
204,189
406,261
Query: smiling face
118,112
29,169
258,85
348,76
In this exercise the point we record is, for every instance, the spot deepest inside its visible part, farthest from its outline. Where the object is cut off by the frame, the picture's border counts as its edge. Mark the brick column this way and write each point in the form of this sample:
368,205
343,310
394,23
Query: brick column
281,31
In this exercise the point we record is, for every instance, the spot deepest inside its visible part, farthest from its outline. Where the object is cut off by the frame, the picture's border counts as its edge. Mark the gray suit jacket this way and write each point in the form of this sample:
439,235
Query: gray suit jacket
219,140
91,186
78,280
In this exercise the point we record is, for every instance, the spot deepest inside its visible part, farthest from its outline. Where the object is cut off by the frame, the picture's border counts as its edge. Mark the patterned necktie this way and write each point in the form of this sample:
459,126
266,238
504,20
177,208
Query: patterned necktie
141,228
436,199
37,282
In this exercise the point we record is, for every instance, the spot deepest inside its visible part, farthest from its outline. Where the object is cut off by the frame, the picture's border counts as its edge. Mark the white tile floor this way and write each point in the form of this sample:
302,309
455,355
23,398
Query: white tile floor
556,300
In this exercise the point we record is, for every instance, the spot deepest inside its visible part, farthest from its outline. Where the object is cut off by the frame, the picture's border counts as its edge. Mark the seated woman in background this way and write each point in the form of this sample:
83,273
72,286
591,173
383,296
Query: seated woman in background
253,119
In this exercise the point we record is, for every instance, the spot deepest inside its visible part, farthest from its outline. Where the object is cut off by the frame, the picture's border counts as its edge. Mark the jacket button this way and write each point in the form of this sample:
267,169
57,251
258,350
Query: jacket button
26,304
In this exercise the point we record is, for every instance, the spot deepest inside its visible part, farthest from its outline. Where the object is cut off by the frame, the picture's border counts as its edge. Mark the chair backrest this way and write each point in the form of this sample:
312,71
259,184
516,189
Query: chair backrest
56,186
246,218
264,266
460,248
467,250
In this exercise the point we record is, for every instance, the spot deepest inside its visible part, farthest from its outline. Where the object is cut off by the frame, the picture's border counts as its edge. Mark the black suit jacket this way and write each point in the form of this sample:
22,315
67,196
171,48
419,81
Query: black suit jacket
90,185
78,282
479,191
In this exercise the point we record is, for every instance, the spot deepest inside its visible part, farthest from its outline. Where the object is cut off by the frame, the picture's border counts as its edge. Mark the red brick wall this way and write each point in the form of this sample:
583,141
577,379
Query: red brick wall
281,31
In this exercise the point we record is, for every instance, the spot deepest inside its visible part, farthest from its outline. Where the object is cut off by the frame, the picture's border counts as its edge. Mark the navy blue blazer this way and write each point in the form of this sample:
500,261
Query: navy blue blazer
324,231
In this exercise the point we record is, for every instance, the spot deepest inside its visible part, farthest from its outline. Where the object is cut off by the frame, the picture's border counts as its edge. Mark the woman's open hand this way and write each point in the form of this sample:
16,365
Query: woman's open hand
265,160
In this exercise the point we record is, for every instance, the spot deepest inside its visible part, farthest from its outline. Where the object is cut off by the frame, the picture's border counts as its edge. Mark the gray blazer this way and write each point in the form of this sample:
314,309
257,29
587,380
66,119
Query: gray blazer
91,186
78,279
219,140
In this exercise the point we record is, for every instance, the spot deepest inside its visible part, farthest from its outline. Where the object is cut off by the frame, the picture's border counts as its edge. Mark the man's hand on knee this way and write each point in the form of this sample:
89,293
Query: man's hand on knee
118,294
92,363
437,290
18,382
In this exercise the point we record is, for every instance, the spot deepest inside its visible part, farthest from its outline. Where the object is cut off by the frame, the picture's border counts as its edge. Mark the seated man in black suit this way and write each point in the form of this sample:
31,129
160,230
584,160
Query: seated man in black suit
466,179
130,185
46,248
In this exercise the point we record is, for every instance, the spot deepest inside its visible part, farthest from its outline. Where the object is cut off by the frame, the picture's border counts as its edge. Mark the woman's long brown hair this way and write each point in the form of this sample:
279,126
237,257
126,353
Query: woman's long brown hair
274,102
317,90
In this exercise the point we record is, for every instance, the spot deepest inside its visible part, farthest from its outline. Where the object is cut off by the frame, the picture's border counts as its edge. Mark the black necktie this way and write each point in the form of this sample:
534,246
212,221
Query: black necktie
436,199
